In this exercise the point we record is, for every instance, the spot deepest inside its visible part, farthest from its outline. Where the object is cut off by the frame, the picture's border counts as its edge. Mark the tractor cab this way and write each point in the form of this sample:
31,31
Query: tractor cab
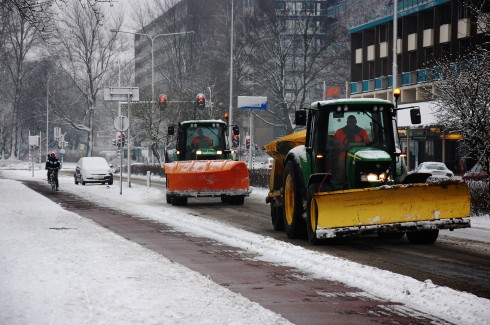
354,142
201,140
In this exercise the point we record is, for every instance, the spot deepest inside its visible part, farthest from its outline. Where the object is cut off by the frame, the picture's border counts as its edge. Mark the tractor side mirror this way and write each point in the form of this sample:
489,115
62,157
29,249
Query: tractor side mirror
300,117
415,116
236,130
171,130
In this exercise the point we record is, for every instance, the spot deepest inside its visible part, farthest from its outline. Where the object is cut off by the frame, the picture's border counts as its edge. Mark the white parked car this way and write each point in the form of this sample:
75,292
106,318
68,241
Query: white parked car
436,169
93,170
269,162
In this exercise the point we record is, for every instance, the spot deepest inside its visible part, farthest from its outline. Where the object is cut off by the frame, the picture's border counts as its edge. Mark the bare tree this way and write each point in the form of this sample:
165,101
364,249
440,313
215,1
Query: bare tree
463,102
42,14
461,92
290,57
20,39
85,51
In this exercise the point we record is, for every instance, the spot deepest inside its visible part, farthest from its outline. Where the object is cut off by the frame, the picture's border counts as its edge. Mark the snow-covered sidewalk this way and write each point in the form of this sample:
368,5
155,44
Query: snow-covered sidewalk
59,268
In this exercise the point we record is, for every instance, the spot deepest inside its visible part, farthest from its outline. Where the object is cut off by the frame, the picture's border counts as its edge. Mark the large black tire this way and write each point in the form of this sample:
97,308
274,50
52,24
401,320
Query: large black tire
277,216
179,201
424,237
294,224
311,214
236,199
169,198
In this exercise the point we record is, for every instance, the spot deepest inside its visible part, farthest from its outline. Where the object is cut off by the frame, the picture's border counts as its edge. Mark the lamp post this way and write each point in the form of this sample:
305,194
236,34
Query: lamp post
230,115
152,39
47,115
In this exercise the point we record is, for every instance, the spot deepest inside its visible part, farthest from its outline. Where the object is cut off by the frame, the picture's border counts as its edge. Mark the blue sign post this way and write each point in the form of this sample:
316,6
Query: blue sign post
252,103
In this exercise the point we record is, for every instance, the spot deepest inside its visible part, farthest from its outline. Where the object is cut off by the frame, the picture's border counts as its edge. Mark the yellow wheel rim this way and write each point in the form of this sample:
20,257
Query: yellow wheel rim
289,199
313,214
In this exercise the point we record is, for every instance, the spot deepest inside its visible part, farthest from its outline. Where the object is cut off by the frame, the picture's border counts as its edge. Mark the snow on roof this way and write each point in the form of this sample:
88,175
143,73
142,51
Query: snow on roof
202,121
427,113
352,101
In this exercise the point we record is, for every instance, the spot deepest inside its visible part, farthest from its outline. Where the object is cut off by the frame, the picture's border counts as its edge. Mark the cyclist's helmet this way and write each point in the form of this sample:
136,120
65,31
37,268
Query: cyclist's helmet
52,154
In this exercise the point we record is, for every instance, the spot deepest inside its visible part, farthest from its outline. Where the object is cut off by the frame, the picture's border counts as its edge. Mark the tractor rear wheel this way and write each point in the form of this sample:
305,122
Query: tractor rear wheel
179,201
294,224
236,199
276,216
423,236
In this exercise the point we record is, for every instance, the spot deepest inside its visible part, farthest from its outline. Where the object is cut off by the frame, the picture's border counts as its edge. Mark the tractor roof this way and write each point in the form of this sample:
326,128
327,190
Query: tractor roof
351,101
202,122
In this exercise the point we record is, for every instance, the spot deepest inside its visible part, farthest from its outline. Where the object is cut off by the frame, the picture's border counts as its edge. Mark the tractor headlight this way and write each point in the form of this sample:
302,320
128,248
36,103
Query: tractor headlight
219,152
369,177
372,177
198,152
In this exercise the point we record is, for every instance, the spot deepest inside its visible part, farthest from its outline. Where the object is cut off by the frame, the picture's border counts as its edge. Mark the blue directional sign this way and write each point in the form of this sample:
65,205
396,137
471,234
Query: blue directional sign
252,102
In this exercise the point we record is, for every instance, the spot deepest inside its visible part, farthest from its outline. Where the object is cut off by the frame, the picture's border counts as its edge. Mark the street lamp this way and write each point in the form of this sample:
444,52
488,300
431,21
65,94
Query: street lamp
152,39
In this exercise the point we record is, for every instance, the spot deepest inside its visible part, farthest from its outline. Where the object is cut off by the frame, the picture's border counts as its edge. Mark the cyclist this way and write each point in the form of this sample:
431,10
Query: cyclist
52,166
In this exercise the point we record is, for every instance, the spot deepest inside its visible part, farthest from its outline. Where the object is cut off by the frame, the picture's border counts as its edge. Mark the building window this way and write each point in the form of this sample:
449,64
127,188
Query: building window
383,33
463,11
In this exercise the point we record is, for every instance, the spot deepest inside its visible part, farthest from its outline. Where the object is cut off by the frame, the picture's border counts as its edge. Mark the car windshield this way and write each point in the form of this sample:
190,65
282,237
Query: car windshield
435,167
476,168
95,162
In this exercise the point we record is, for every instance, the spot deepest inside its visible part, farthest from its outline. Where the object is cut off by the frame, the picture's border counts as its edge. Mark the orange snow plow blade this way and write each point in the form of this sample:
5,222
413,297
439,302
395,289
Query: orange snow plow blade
207,177
442,206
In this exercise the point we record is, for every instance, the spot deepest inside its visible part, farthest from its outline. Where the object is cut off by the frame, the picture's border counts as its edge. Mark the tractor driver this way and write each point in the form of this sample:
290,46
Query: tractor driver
201,141
351,133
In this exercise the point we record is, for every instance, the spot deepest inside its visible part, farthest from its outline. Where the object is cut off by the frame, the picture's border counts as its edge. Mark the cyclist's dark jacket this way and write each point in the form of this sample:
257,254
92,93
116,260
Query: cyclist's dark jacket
53,163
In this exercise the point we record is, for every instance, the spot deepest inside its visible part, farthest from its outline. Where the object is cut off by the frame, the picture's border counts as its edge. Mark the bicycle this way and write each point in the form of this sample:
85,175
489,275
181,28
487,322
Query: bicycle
52,182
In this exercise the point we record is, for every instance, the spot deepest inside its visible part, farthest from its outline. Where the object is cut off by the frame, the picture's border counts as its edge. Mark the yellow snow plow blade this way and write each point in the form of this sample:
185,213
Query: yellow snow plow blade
428,206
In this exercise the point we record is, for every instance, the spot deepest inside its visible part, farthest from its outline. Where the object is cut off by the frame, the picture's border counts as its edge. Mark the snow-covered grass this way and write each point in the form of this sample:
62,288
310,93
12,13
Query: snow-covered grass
441,302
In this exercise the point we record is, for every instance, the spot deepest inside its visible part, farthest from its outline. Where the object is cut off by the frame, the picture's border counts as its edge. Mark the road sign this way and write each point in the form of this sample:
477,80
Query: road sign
120,94
34,140
121,123
252,102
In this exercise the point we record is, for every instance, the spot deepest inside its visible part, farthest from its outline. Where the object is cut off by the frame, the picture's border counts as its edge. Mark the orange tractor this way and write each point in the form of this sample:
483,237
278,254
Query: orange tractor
202,164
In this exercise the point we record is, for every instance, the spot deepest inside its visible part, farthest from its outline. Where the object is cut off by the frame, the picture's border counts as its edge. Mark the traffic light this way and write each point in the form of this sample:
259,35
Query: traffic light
162,102
200,101
121,142
114,142
235,141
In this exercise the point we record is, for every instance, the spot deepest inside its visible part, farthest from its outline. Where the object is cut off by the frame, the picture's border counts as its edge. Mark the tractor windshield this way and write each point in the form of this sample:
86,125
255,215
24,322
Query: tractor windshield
358,128
206,137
